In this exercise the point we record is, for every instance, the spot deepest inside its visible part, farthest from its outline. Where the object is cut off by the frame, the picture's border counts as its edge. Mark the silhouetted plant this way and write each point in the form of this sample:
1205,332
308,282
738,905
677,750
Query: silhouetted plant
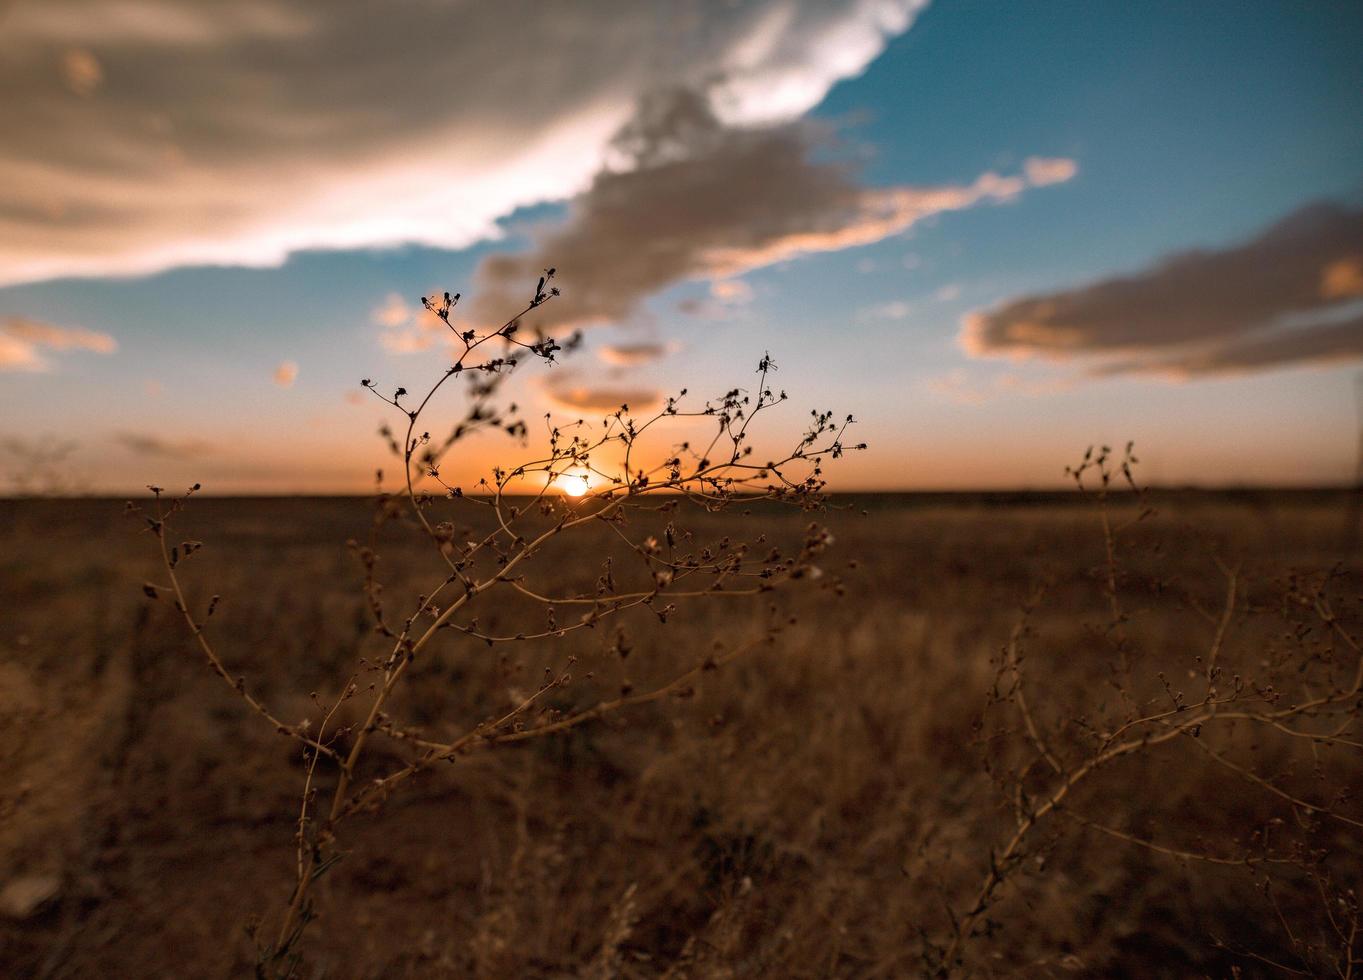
571,486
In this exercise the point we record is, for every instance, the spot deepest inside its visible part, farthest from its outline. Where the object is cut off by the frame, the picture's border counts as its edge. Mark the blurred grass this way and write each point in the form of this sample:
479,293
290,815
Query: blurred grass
810,813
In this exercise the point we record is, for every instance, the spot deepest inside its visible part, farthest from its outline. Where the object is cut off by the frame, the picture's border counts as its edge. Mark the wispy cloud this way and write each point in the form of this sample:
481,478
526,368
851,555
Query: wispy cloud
407,329
636,354
731,291
699,199
24,341
145,444
567,389
393,312
1289,296
972,388
297,124
1041,171
895,309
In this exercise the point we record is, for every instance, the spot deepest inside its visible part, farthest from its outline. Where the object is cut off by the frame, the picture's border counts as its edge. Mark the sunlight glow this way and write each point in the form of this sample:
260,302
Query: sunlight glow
574,483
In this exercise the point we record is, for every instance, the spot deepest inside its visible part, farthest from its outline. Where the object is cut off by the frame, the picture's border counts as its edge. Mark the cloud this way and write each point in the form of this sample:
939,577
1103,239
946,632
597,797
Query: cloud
1324,343
896,309
285,374
18,355
81,71
407,329
635,355
566,390
699,199
1288,296
59,338
22,342
1041,171
142,444
393,312
962,387
731,291
295,124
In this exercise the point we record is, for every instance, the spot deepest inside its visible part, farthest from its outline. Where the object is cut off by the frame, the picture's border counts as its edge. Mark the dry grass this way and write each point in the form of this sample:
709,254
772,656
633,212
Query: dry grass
814,810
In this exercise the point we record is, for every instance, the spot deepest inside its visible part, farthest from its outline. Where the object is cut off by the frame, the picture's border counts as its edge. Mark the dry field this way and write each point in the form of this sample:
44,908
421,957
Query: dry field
829,805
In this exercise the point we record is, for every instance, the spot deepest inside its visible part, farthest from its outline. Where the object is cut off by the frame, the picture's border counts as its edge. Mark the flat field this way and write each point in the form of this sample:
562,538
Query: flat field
829,804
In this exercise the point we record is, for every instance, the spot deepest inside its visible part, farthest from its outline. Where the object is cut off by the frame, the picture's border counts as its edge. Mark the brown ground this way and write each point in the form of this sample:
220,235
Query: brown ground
813,811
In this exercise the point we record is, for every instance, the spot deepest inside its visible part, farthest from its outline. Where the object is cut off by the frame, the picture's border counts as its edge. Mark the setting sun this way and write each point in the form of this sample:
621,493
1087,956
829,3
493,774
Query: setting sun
574,483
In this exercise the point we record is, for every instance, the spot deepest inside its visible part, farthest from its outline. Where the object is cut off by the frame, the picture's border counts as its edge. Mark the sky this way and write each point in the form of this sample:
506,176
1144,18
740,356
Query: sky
993,233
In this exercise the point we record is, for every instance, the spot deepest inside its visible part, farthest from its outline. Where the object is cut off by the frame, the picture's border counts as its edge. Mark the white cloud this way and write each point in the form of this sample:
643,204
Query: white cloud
239,132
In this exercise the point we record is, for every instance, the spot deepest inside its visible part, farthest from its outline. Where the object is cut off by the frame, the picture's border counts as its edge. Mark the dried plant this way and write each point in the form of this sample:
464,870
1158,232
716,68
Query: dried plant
598,475
1283,723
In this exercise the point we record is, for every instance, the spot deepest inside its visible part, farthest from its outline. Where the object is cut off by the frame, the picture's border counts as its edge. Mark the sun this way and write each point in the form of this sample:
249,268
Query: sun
573,484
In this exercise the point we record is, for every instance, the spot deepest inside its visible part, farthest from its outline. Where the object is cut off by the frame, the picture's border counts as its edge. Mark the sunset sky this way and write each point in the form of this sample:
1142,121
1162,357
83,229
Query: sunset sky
995,233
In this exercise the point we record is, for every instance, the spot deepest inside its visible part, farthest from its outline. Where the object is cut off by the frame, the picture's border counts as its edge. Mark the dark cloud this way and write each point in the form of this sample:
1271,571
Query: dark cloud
694,198
142,134
1320,344
1286,297
142,444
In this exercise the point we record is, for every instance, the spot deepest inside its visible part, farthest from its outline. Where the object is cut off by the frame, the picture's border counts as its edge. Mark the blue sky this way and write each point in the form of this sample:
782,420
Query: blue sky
1131,132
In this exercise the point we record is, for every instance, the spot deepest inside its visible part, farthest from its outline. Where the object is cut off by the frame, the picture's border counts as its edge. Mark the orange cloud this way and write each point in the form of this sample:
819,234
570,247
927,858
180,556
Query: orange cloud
567,392
393,312
634,355
22,342
81,71
17,355
286,374
1042,171
1342,279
